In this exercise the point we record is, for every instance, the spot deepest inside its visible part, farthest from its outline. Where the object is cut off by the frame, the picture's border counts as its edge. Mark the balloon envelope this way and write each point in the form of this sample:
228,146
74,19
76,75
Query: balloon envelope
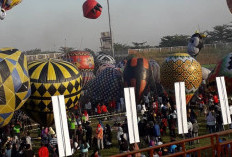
181,67
89,10
223,68
106,86
136,74
84,61
8,4
49,78
14,83
229,3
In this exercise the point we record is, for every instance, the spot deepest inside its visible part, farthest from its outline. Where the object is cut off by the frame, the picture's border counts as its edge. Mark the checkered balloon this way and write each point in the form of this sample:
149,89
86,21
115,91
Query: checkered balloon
48,78
106,86
14,83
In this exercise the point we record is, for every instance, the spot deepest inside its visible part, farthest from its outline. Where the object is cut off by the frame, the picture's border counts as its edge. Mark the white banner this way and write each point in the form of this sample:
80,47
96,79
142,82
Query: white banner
181,107
131,114
221,86
60,117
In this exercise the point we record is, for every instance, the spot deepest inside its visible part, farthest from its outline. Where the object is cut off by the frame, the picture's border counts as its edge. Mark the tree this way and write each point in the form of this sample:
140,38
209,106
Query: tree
66,49
33,51
137,45
174,40
120,47
220,34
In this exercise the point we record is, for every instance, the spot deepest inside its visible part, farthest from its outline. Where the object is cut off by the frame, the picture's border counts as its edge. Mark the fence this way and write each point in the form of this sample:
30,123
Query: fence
214,148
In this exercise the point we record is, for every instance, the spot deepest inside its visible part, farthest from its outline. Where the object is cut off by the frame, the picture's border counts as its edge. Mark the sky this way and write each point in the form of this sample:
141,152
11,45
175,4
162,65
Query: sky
50,24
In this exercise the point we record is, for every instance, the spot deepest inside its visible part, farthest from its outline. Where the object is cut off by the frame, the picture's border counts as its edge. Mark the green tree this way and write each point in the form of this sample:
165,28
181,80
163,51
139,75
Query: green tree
66,49
120,47
220,34
174,40
33,51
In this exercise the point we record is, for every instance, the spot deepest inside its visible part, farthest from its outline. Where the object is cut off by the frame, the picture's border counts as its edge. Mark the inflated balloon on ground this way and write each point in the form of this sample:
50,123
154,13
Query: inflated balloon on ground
181,67
14,83
103,59
223,68
84,61
136,74
106,86
49,78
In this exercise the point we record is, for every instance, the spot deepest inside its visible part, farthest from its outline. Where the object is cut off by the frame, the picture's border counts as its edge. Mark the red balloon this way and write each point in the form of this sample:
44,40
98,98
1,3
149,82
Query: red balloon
229,2
92,9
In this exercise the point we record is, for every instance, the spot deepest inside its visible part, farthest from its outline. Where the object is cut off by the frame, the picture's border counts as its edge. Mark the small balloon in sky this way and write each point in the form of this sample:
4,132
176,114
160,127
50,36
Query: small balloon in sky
92,9
7,5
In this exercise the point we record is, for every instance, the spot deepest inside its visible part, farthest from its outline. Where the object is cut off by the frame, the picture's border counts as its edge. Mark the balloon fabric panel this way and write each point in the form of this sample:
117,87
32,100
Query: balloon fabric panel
91,9
14,83
48,78
229,3
136,74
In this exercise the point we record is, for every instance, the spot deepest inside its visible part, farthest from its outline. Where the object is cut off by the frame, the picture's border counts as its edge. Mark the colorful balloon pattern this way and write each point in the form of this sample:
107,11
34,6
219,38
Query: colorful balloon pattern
181,67
15,86
136,74
106,86
223,68
84,61
103,59
48,78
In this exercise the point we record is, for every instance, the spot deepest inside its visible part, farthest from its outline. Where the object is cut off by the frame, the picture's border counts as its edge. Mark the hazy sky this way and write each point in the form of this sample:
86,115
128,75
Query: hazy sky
46,23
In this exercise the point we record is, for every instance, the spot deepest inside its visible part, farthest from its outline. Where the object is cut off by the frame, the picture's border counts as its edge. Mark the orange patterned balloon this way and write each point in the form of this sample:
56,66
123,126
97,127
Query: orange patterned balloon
181,67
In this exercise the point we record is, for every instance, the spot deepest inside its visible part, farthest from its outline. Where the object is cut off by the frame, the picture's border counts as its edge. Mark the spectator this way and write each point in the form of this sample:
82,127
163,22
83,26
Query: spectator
28,139
8,150
84,149
195,129
28,152
43,151
89,133
99,136
210,119
123,147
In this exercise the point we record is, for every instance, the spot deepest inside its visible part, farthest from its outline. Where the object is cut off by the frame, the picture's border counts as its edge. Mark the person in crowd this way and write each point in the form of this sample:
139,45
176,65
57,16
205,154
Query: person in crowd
43,150
124,146
84,149
28,139
53,144
108,136
195,129
99,136
80,134
28,152
211,121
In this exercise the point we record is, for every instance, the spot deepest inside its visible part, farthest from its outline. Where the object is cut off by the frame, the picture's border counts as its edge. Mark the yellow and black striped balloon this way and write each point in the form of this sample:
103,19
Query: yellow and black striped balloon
14,83
48,78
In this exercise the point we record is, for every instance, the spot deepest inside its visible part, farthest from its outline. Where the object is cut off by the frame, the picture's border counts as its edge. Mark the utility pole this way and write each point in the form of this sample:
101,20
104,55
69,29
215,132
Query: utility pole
112,44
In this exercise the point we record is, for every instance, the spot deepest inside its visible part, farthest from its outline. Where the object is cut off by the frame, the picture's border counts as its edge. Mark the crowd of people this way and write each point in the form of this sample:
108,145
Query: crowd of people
157,117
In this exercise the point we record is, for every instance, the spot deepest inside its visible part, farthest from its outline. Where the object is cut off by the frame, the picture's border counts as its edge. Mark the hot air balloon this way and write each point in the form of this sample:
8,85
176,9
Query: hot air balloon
223,68
136,74
195,44
205,73
103,59
91,9
7,5
229,3
14,83
48,78
103,67
84,61
106,86
181,67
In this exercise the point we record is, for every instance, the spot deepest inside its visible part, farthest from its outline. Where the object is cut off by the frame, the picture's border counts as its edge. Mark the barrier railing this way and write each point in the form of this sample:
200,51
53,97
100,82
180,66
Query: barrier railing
218,147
